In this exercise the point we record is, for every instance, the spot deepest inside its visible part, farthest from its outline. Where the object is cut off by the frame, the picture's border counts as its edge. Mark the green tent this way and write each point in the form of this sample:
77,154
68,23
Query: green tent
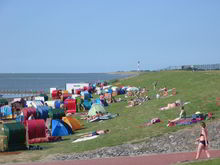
96,108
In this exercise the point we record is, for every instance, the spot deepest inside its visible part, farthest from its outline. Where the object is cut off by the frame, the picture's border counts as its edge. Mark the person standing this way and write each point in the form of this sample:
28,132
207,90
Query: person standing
203,141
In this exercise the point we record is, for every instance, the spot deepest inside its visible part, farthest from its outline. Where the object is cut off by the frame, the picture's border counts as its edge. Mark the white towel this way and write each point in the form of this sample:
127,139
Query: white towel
85,139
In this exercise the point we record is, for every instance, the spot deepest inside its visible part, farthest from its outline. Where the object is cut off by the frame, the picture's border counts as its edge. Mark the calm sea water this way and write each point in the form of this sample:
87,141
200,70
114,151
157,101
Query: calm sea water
39,81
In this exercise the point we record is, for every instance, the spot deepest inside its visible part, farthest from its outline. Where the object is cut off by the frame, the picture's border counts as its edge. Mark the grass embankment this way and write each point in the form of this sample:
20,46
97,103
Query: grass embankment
200,88
204,162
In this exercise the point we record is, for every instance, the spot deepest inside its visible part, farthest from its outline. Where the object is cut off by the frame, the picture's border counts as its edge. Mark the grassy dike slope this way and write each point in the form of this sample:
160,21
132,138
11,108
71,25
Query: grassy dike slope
204,162
200,88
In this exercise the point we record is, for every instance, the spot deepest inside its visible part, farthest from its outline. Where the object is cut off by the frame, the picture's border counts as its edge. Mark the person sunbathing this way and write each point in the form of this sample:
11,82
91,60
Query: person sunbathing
98,114
172,105
132,103
98,132
165,92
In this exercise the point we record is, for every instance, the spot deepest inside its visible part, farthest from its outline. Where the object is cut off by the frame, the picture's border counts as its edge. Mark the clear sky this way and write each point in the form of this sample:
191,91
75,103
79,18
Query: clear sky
78,36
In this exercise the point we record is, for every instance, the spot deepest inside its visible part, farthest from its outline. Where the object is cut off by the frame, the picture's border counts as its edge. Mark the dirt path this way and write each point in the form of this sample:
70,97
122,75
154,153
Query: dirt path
156,159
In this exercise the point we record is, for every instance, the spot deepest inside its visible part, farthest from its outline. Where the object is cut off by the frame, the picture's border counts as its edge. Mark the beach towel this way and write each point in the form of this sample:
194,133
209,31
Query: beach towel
85,139
186,121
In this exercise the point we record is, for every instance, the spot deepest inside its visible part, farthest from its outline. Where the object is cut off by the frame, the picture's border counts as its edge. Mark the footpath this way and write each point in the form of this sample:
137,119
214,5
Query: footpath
154,159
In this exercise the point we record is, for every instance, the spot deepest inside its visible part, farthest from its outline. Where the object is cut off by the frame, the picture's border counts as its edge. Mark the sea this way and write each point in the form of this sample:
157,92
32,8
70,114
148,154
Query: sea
22,82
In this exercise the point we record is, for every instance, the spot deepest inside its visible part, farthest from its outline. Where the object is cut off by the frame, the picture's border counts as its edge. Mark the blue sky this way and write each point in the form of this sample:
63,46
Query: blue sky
84,36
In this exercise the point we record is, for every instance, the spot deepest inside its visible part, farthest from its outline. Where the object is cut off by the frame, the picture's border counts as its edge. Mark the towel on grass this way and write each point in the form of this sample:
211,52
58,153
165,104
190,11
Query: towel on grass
85,138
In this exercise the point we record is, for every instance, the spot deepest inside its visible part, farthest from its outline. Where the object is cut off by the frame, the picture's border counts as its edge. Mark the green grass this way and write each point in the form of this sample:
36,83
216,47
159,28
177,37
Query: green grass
205,162
200,88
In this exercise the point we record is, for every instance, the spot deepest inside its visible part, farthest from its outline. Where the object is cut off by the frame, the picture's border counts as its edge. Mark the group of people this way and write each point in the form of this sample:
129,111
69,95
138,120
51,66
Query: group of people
202,140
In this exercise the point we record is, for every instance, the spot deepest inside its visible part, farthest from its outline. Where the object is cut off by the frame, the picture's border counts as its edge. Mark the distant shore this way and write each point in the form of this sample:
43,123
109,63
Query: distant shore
130,74
124,73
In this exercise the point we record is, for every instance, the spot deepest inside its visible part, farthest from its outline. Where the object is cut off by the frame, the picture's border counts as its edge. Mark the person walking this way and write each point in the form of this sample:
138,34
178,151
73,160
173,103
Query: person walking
203,141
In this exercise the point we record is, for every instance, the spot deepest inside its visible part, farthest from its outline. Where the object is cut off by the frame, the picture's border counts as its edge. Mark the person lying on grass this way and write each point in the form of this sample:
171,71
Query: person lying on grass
98,132
172,105
132,103
98,114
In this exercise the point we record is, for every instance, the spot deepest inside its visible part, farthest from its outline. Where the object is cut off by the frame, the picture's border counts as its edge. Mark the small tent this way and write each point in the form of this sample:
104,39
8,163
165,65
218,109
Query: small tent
96,108
72,122
60,128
